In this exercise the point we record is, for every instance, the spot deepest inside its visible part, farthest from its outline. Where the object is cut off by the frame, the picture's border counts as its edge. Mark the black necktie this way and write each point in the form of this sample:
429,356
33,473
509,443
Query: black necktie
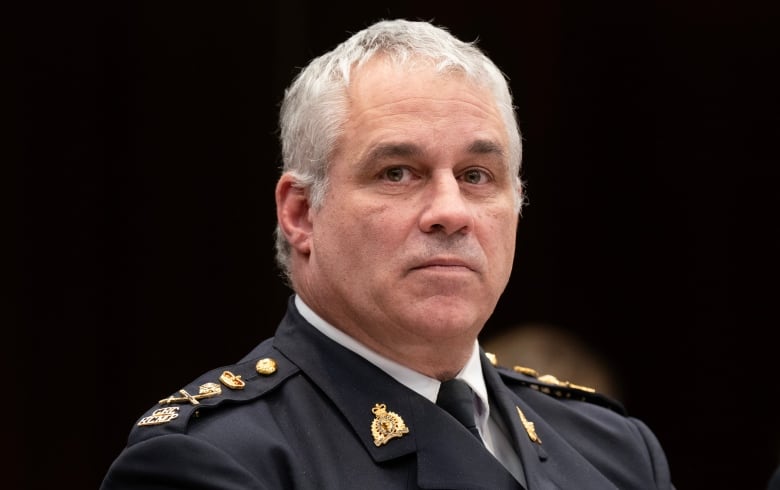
457,399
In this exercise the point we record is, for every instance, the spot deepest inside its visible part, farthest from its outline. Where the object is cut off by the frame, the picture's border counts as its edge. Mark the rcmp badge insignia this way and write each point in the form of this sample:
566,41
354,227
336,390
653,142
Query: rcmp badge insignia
232,381
386,425
206,390
160,416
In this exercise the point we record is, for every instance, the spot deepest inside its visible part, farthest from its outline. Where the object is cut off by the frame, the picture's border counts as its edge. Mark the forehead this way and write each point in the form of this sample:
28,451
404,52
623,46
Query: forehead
392,100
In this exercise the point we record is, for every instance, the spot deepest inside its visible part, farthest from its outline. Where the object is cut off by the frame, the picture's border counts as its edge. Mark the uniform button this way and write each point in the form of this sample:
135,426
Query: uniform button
266,366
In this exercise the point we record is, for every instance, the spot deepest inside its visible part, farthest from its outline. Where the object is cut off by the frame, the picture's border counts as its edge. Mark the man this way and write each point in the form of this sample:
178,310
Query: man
397,214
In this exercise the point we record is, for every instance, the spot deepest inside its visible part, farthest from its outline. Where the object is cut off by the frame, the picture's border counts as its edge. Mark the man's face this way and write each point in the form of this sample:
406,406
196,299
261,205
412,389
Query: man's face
416,237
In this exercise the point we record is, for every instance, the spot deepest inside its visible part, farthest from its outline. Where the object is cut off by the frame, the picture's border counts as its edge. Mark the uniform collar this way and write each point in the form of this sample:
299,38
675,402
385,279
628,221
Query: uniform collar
423,385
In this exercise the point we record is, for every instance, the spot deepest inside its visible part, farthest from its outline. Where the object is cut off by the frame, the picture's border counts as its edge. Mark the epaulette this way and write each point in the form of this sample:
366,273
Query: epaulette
225,386
551,385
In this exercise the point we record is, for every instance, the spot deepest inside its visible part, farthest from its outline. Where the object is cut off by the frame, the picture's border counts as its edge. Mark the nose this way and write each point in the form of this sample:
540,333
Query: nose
446,209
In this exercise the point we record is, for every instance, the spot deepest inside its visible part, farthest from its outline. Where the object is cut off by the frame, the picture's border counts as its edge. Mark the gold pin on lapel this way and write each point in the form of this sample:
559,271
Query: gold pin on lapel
386,425
529,427
206,390
232,381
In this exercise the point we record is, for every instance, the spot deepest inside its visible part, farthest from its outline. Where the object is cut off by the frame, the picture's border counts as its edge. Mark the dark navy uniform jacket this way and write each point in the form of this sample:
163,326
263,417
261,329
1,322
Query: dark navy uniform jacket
310,411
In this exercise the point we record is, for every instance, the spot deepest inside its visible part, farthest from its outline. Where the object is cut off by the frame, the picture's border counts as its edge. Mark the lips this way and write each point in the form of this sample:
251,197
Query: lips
445,262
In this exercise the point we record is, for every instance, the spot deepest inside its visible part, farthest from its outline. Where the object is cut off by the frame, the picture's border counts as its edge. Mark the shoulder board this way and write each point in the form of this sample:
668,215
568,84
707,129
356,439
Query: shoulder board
551,385
224,386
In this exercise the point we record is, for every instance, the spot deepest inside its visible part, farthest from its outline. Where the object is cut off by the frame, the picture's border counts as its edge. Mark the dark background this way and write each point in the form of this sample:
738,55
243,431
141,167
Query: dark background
142,208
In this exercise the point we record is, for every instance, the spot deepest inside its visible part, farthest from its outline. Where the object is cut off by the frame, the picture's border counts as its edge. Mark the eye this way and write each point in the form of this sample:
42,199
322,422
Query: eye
475,176
395,174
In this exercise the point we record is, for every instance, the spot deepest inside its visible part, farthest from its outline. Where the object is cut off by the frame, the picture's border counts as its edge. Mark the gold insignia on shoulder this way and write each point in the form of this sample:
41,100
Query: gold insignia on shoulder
206,390
266,366
529,427
492,358
232,381
581,388
527,371
160,416
386,425
550,379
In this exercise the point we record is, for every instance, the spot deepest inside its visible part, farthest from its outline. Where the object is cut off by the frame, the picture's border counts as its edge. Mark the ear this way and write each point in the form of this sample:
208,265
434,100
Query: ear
292,213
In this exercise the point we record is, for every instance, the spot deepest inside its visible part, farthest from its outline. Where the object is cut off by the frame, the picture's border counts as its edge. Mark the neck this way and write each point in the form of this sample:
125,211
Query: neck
436,356
437,360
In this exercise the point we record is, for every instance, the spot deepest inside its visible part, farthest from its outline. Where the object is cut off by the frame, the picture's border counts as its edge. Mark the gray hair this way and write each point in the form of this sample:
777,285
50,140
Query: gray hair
315,105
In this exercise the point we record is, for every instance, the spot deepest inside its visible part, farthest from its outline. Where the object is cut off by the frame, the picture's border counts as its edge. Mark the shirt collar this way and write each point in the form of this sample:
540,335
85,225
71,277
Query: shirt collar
420,383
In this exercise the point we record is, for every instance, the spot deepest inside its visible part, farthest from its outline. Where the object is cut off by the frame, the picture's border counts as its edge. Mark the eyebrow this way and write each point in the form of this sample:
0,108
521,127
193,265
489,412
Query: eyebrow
394,150
485,147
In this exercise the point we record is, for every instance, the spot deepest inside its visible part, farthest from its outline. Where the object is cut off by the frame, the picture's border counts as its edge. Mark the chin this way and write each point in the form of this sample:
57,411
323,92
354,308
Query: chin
448,318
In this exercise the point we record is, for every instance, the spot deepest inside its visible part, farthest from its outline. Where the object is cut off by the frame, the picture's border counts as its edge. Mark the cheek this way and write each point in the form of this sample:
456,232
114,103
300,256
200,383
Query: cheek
362,230
378,229
501,236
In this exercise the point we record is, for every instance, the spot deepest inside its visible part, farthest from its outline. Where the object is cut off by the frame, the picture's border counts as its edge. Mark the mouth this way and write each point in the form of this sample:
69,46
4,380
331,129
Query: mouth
445,264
